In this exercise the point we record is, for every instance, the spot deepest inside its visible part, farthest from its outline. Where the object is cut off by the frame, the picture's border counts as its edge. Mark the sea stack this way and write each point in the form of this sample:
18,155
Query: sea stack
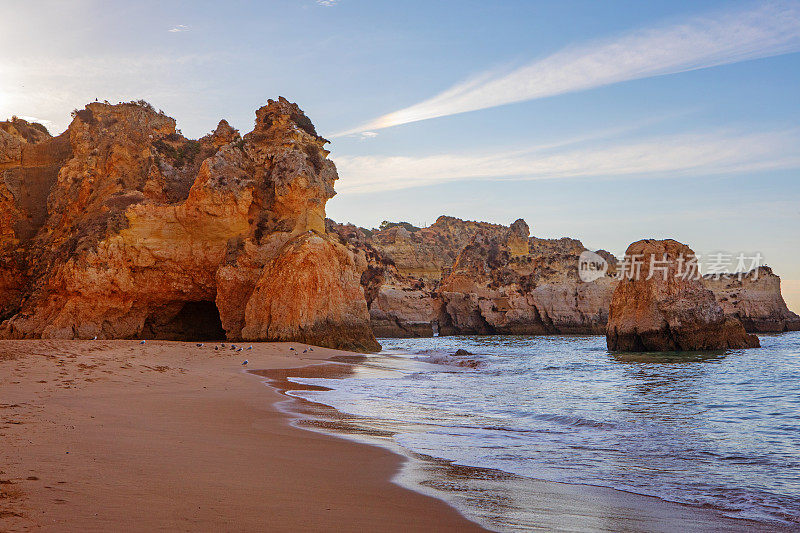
123,228
661,304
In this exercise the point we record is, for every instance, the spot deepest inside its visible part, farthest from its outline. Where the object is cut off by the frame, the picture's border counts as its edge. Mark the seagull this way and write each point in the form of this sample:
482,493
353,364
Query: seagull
291,348
142,342
94,338
304,351
245,362
311,349
249,347
238,349
216,348
199,344
223,344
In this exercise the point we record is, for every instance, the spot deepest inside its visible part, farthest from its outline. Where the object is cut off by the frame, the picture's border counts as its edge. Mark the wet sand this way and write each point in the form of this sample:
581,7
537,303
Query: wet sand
117,436
499,500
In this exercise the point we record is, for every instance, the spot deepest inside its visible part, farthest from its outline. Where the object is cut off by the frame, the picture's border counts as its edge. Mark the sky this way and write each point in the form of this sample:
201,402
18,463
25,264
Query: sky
603,121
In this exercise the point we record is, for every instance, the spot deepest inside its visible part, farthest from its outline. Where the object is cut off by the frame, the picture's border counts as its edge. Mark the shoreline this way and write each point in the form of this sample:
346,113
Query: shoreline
113,435
559,505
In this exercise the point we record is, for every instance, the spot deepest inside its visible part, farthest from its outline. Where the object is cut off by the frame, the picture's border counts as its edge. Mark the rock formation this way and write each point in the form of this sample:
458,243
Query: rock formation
666,308
400,305
122,228
755,300
504,282
466,277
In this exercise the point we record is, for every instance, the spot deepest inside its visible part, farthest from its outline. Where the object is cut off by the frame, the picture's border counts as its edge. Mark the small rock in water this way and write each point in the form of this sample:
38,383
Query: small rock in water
461,351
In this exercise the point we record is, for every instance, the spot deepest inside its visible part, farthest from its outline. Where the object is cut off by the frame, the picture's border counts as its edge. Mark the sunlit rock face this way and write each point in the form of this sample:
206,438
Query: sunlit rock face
149,234
755,300
463,277
504,282
668,309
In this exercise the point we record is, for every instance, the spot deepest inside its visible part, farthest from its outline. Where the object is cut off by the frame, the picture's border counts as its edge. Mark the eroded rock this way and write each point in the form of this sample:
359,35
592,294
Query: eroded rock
666,308
147,233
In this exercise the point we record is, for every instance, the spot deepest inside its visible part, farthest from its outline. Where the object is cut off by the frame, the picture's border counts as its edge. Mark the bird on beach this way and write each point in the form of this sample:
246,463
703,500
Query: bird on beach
199,344
304,351
223,344
142,342
291,348
249,347
94,338
245,362
239,349
216,348
311,349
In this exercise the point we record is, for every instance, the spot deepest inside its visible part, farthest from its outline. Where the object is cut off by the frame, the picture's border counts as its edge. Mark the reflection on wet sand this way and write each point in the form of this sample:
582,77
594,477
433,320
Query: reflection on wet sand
496,499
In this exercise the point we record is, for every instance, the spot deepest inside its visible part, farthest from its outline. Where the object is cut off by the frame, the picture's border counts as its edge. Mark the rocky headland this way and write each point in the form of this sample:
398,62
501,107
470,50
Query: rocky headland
465,277
755,300
123,228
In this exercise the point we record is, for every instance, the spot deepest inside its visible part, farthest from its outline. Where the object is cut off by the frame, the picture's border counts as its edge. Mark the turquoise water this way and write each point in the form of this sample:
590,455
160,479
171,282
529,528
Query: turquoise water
720,430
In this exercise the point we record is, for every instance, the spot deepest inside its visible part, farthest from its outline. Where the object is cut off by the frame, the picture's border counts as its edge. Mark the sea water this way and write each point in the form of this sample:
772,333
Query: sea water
713,429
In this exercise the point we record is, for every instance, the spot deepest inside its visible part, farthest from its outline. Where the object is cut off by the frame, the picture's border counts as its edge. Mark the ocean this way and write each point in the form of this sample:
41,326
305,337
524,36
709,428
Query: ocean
718,430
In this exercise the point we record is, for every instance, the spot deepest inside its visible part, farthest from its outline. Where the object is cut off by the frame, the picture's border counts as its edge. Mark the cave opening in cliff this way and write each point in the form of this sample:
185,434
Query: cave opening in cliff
186,321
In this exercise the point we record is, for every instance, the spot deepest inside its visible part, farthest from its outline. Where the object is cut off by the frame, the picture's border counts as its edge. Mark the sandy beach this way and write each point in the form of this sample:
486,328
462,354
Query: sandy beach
168,436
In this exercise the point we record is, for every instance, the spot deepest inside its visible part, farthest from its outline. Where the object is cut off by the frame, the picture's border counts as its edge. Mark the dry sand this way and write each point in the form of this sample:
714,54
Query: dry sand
118,436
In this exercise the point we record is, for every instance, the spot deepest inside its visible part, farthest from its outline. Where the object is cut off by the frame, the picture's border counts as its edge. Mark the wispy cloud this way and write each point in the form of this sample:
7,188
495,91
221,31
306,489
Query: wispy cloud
179,28
727,37
677,155
327,3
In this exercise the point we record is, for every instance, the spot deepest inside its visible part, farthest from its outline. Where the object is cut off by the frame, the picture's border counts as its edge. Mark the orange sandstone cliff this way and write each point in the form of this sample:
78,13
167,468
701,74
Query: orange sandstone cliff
667,309
123,228
465,277
755,300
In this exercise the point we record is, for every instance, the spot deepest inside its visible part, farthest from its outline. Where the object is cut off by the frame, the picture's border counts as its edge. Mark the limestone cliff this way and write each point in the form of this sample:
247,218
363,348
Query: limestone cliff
663,307
474,277
504,282
755,300
464,277
145,233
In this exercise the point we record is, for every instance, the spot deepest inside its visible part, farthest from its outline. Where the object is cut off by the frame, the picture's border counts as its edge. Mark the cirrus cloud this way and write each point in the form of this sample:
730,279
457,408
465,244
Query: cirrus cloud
676,155
769,29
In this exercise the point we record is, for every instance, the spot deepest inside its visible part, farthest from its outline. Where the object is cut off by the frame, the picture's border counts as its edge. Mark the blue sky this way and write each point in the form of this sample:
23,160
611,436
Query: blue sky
604,121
